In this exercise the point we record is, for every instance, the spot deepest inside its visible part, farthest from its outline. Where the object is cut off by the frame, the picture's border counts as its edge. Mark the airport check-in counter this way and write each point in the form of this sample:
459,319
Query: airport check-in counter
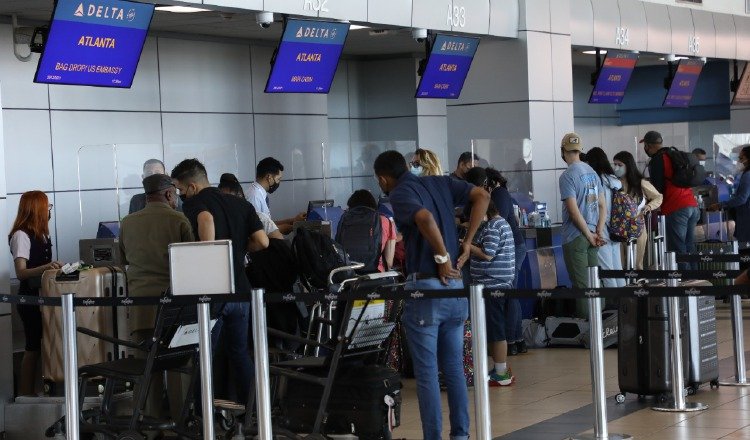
544,267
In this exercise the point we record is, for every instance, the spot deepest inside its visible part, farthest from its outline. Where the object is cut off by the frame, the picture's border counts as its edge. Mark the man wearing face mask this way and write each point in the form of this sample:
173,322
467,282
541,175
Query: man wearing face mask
218,216
268,175
701,155
679,205
144,240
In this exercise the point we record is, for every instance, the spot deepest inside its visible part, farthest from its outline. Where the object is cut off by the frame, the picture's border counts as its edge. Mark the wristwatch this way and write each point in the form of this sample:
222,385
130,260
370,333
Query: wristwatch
442,259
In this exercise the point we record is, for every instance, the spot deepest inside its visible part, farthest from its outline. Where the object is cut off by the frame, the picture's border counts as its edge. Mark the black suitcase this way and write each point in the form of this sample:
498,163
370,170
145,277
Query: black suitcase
357,405
644,360
700,331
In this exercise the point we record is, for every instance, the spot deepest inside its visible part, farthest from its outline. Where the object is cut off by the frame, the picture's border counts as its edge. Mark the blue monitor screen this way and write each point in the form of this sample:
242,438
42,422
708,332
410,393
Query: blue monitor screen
307,57
94,43
447,67
683,85
613,78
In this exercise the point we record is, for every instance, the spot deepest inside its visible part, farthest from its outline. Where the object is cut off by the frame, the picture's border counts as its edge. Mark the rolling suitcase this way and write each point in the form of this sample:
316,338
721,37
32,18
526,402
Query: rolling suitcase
715,248
700,331
93,283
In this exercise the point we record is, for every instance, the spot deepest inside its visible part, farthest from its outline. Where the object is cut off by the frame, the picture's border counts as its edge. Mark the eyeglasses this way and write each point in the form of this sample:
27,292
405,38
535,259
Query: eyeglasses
414,164
49,208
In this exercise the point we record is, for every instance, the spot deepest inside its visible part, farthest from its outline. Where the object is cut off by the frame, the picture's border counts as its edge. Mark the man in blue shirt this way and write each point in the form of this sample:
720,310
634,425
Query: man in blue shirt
584,215
423,210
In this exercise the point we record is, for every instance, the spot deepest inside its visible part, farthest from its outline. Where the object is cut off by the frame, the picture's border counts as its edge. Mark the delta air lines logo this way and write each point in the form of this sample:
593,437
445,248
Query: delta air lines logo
106,12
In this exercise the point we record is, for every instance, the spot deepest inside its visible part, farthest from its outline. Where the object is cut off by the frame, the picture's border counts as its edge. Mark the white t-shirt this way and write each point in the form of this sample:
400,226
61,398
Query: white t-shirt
268,225
257,196
20,245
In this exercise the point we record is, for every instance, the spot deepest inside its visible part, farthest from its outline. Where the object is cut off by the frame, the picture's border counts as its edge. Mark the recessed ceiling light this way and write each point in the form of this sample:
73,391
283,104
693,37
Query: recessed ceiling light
180,9
355,27
677,58
593,52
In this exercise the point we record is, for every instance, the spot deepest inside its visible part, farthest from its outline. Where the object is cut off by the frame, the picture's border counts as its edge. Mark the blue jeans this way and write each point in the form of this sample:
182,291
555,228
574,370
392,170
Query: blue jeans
681,232
610,258
435,335
232,327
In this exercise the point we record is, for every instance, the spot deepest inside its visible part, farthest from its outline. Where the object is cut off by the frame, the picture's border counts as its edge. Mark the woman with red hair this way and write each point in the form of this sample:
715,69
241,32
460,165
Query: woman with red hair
31,248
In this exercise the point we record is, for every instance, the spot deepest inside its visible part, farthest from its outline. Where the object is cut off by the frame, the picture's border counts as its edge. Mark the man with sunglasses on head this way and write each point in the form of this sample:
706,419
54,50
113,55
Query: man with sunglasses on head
268,175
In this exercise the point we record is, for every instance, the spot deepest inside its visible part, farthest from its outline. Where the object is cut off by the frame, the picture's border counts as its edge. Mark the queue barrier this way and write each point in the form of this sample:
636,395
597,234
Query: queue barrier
477,294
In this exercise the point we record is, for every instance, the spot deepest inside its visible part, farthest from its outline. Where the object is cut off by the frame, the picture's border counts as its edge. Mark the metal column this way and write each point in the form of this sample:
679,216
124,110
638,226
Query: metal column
740,369
479,347
678,377
262,369
70,355
204,347
598,390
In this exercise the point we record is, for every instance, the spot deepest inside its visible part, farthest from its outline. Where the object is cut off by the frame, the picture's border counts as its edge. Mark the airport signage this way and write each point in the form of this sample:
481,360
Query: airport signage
95,43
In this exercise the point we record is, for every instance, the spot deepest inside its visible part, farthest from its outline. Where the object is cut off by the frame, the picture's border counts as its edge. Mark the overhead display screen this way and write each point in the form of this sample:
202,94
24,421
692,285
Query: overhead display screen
94,43
742,96
683,85
448,64
613,78
307,57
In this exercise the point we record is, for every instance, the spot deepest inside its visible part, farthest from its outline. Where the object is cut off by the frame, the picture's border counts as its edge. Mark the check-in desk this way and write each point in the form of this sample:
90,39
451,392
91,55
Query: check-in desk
544,267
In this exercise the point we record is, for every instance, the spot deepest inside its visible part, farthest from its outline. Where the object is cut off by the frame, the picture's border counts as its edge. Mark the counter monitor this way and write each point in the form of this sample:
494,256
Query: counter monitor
447,67
683,84
94,43
613,77
307,58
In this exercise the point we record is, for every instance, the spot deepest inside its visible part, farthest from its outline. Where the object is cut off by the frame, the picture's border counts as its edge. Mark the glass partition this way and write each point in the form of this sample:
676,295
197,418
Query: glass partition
726,152
512,157
363,157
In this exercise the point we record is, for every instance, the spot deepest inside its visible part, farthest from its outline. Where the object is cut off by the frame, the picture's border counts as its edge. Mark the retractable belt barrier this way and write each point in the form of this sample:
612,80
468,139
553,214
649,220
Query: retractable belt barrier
401,294
477,294
713,258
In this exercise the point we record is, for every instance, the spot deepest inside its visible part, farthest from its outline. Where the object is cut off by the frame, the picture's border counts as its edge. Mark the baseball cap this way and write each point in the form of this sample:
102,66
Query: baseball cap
156,182
652,137
572,142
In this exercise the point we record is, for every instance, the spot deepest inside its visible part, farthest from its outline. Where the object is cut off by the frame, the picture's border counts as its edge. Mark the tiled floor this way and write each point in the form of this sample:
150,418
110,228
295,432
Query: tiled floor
552,396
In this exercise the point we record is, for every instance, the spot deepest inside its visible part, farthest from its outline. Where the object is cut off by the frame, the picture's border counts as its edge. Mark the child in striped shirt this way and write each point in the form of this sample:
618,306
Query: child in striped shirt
493,264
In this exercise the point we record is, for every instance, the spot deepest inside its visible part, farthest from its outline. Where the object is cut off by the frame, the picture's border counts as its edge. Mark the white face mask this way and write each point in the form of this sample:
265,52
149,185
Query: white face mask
417,171
702,163
619,171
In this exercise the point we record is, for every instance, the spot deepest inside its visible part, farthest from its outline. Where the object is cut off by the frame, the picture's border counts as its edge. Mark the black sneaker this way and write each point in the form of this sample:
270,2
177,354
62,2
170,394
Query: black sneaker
512,350
521,346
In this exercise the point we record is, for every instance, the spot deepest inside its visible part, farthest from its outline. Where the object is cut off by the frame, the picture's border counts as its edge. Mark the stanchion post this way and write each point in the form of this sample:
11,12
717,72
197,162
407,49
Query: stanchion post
479,349
596,350
678,377
204,347
738,332
262,369
70,355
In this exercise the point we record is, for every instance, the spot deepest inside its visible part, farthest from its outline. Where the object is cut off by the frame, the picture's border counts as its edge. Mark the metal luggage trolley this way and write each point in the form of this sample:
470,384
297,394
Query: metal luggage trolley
348,332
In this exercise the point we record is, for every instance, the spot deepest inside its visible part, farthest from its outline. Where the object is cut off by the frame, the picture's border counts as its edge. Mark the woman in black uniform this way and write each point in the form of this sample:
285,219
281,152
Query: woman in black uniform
31,248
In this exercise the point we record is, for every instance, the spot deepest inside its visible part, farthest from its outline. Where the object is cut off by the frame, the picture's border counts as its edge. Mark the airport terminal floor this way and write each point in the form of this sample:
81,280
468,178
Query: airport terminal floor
551,400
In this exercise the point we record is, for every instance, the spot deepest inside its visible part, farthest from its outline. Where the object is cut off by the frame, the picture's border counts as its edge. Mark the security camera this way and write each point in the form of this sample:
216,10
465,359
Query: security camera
264,19
419,34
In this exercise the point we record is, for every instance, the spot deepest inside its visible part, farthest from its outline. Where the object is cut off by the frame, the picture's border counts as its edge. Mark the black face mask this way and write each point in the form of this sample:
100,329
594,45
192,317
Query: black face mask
274,187
183,197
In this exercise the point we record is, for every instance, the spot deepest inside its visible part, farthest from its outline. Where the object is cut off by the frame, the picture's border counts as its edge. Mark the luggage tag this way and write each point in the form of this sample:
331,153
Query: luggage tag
390,402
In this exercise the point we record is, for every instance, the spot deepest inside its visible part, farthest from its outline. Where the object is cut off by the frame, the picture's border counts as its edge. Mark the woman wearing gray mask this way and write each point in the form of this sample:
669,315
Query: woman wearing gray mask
648,198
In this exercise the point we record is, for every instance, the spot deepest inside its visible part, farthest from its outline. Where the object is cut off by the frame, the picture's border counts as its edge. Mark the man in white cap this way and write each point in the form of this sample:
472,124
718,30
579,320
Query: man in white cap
584,215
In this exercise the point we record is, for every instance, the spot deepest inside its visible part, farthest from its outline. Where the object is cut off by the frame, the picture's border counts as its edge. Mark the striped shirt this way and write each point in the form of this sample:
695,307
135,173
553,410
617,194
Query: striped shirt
496,241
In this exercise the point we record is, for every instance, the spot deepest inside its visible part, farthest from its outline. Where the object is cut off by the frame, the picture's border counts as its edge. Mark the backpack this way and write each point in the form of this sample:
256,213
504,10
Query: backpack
686,171
624,223
317,255
360,233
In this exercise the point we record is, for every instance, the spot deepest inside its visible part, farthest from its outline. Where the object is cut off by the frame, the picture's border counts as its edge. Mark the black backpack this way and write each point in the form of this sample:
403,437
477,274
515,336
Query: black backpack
317,255
360,233
686,171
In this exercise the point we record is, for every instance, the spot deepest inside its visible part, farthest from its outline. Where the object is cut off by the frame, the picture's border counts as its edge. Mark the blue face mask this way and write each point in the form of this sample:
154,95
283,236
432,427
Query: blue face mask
417,171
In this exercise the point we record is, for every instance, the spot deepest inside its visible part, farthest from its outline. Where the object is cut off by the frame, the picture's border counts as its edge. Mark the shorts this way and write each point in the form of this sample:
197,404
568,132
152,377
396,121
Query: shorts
495,317
31,317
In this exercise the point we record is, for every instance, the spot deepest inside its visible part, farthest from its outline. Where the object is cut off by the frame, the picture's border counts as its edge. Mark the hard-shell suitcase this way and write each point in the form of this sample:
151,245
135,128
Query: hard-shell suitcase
93,283
644,352
365,401
703,353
